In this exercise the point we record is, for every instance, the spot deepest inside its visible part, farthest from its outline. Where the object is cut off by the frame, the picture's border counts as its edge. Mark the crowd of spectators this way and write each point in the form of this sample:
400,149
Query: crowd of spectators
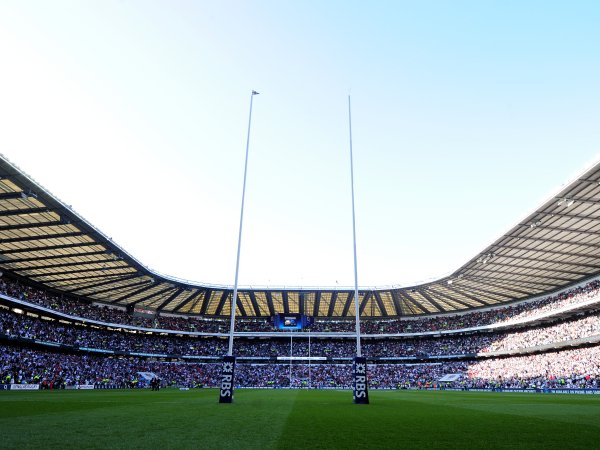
553,334
52,331
118,315
579,368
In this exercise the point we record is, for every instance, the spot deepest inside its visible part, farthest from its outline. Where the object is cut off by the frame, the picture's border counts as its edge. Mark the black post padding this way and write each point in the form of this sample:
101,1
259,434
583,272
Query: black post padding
227,377
361,385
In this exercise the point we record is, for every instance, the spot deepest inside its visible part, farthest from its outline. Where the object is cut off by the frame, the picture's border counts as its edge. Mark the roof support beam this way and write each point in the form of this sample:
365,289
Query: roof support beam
551,241
132,293
488,269
24,211
68,285
254,303
195,297
403,305
476,284
205,300
364,302
44,258
29,225
316,304
72,264
68,272
149,296
589,180
186,301
562,263
46,237
462,292
117,288
507,288
21,195
103,283
348,303
534,286
552,252
240,305
221,305
425,294
499,286
195,303
189,298
560,229
572,216
50,247
270,303
544,269
450,298
83,277
286,302
469,295
380,304
334,296
397,305
170,298
587,201
481,291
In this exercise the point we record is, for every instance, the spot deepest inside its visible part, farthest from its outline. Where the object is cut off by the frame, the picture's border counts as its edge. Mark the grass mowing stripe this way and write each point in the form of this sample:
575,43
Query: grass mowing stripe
575,409
413,419
145,419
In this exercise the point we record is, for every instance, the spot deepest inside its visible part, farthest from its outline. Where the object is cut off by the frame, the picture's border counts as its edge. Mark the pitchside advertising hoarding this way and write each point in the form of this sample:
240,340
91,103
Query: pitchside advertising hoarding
24,387
227,388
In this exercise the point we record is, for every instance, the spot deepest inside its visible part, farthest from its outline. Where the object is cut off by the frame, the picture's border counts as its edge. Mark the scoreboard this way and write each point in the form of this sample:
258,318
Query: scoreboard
291,321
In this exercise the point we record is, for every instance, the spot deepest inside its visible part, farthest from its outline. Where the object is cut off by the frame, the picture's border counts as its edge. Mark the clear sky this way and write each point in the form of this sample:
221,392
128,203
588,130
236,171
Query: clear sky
466,116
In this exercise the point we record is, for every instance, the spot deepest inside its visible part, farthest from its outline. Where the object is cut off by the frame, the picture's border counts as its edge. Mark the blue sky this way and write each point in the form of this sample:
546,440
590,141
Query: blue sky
466,116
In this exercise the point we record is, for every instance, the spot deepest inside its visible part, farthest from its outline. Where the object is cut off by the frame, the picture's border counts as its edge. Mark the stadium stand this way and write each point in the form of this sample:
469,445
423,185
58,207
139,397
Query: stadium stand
77,310
112,356
78,336
582,295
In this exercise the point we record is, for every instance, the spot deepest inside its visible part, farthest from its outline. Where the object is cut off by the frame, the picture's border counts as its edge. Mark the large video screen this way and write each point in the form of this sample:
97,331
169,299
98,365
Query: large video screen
291,321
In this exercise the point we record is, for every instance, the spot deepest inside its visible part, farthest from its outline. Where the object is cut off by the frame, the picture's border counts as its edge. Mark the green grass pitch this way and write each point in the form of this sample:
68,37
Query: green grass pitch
292,419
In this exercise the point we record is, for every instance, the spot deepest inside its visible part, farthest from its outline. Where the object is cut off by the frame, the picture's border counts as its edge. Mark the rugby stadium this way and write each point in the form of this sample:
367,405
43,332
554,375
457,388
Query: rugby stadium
496,354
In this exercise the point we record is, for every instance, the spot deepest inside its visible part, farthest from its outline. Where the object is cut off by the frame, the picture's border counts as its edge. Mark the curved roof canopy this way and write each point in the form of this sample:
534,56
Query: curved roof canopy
44,241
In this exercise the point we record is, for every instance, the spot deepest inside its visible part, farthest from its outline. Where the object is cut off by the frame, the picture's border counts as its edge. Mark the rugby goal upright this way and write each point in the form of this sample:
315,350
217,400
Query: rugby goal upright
359,367
228,368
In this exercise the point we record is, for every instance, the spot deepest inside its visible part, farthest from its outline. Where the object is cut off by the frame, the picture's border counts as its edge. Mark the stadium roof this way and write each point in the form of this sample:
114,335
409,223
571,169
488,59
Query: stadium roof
46,242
